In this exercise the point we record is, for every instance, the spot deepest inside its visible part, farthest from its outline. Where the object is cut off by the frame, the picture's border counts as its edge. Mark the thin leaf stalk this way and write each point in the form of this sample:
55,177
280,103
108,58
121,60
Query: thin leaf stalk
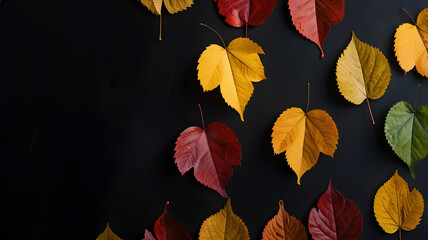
417,95
212,29
307,103
370,109
202,116
160,27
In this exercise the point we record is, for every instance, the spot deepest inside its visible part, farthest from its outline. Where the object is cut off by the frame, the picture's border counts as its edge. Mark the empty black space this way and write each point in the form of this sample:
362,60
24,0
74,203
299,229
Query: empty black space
107,100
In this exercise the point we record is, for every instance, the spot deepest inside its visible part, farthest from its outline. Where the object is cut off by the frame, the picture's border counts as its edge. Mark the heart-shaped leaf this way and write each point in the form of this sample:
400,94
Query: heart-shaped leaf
212,152
407,132
337,218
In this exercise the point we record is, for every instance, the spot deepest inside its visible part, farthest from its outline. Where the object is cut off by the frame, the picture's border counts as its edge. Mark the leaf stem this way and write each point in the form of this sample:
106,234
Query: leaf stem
215,32
309,91
246,29
409,15
160,27
417,95
370,109
399,233
202,116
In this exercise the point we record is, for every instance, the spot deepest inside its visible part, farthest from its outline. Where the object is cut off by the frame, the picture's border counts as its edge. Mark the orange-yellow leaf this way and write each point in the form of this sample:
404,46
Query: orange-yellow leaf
284,227
108,234
233,68
304,136
395,207
411,44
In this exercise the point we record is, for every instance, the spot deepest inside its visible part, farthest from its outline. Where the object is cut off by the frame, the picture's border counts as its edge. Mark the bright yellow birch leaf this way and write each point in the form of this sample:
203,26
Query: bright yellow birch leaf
304,135
224,225
396,208
362,72
234,68
173,6
108,234
284,227
411,44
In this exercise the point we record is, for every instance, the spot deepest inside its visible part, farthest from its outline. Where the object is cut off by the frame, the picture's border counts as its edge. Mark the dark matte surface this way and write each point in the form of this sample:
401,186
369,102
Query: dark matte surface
94,79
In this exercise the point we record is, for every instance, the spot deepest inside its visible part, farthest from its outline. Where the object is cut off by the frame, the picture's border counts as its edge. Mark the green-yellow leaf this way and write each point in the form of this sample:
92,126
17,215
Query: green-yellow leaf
108,234
362,72
395,207
233,68
224,225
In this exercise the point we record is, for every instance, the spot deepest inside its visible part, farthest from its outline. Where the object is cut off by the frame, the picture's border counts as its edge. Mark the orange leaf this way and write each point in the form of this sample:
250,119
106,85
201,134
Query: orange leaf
284,227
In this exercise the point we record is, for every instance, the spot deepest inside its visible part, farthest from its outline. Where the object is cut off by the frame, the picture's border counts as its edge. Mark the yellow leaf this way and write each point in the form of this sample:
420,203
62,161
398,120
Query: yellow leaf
224,225
362,72
304,136
395,207
233,68
284,227
411,43
108,235
173,6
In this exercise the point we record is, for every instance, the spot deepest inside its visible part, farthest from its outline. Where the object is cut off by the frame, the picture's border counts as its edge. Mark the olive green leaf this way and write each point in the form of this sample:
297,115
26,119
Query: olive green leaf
407,132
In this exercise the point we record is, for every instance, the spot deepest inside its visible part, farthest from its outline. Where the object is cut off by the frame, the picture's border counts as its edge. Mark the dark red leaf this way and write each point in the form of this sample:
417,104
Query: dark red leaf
168,228
241,12
148,236
313,18
212,153
337,218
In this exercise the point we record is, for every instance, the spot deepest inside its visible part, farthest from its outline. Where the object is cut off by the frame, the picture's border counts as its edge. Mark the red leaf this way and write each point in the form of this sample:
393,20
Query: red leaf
211,153
168,228
313,18
241,12
148,236
337,218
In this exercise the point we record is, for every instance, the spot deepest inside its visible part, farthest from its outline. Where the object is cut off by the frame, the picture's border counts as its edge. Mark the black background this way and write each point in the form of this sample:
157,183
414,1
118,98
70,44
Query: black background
96,81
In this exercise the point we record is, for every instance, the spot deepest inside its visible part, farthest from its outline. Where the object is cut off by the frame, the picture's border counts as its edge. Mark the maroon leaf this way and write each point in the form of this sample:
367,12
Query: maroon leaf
211,153
336,219
242,12
168,228
313,18
148,236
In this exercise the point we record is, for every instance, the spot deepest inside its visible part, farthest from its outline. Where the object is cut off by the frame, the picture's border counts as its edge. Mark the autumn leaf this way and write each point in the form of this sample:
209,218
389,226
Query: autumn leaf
396,208
362,72
169,228
304,135
108,234
245,12
211,151
337,218
148,235
173,6
224,225
313,18
284,227
407,133
411,43
234,68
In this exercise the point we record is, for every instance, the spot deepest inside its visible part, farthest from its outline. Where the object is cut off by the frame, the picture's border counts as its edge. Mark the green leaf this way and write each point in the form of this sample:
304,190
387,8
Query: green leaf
407,132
